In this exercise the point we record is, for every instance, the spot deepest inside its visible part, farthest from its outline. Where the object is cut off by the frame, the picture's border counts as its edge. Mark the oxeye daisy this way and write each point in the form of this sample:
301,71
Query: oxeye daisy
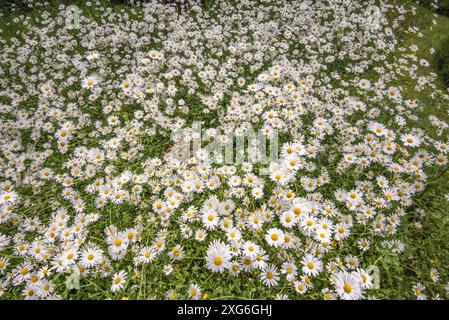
275,237
290,270
147,255
45,288
341,232
270,276
410,140
177,253
288,219
118,242
311,265
89,82
234,234
309,223
301,206
194,292
300,287
364,84
200,235
90,257
118,281
167,269
247,263
323,235
30,293
154,54
280,176
4,242
250,249
347,286
418,290
218,256
366,278
352,262
210,219
234,269
328,295
363,244
434,275
8,197
3,265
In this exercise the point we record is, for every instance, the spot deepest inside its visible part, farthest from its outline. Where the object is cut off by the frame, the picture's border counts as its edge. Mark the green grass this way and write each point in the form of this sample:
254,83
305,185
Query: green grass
443,60
443,6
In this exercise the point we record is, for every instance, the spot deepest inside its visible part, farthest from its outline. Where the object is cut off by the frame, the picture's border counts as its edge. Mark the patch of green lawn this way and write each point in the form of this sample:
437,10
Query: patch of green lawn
424,229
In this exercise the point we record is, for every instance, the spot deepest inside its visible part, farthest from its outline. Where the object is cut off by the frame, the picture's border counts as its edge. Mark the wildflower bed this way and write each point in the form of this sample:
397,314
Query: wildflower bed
94,206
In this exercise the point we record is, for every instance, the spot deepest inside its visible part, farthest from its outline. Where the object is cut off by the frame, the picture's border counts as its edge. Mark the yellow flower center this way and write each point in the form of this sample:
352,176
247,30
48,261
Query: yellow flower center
347,288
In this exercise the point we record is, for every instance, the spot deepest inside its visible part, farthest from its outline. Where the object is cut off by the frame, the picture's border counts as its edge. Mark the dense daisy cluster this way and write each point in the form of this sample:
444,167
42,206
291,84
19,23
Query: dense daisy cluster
91,201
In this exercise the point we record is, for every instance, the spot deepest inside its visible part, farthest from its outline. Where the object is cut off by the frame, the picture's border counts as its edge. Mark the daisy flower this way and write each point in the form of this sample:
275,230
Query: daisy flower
311,265
347,286
167,269
275,237
194,292
410,140
210,219
90,257
270,276
89,82
418,290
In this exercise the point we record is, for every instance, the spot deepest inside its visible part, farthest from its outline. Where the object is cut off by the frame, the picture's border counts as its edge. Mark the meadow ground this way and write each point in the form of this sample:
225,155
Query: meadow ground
423,231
